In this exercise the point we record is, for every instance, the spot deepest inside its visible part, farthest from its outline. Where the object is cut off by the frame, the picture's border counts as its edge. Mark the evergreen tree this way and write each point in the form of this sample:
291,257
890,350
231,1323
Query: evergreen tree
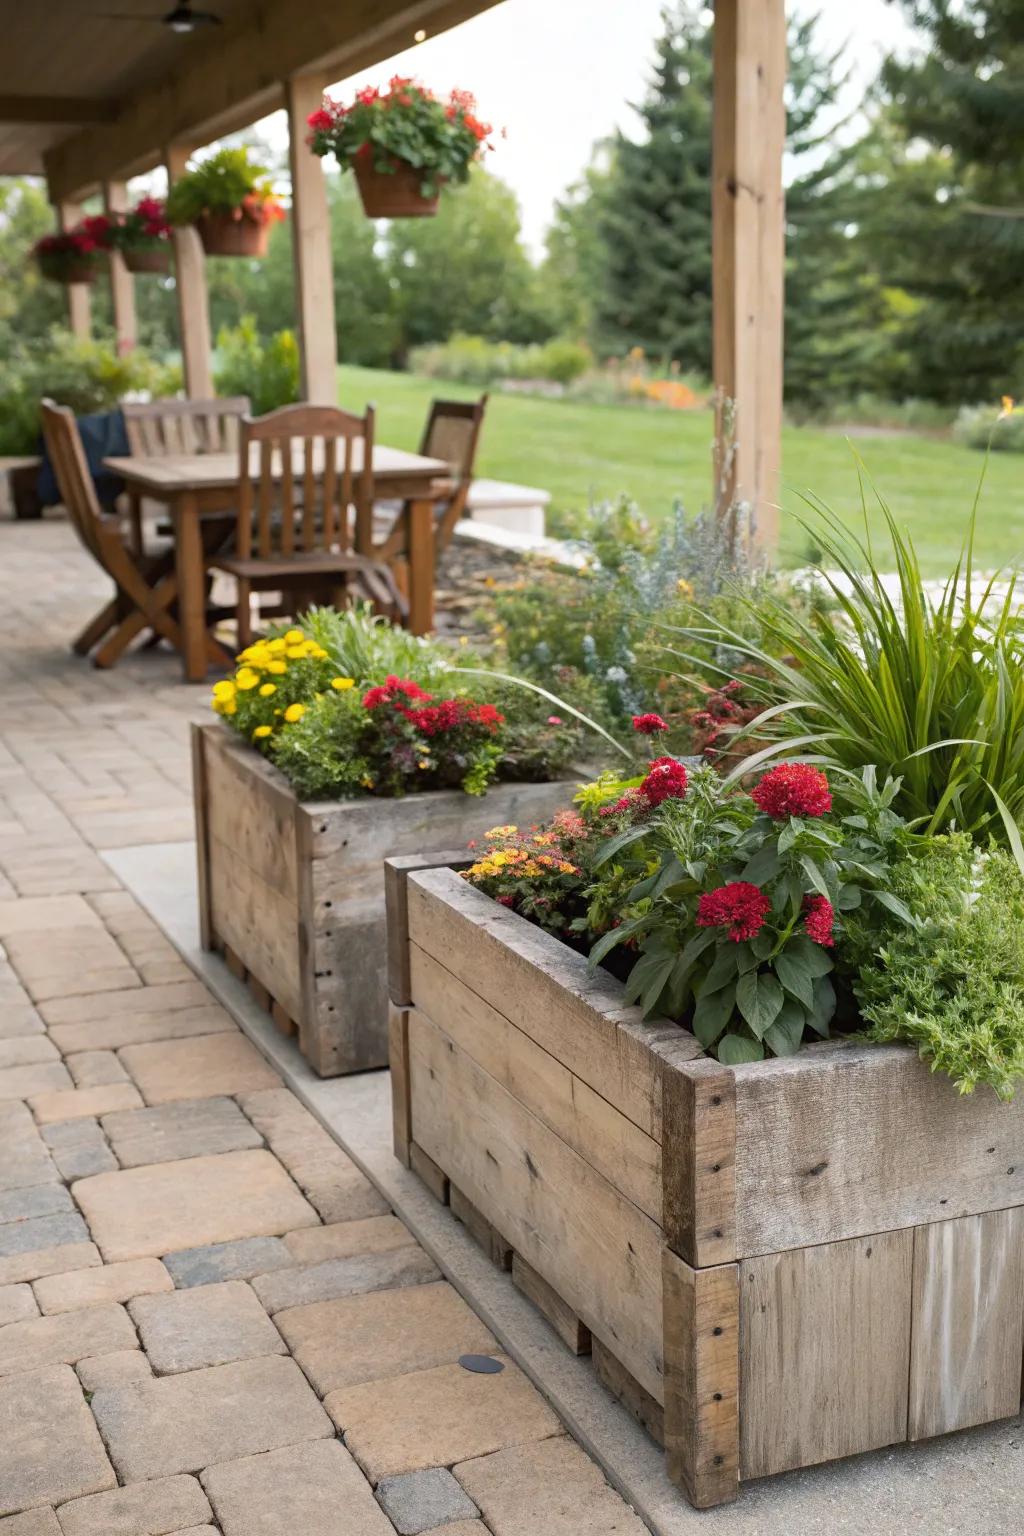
655,219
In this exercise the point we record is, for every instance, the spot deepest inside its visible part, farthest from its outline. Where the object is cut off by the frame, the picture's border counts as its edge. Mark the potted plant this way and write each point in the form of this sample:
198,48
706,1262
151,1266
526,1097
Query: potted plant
143,237
349,741
73,255
403,144
230,201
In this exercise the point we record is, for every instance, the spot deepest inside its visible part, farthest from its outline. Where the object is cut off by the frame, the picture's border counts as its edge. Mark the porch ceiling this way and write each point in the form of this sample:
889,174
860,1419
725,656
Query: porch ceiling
85,97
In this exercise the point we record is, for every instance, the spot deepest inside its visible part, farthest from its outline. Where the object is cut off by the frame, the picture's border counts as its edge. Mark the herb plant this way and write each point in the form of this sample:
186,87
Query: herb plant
226,182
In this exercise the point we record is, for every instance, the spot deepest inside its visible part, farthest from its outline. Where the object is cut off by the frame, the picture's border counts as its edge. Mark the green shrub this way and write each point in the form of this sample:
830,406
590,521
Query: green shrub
268,372
988,426
87,376
475,360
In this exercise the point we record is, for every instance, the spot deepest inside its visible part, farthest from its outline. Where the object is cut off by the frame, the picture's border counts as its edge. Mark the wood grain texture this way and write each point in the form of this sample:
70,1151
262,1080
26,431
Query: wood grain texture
597,1250
824,1352
626,1156
480,1229
547,991
432,1175
702,1342
311,237
613,1375
198,746
397,869
968,1322
843,1140
574,1334
699,1151
401,1104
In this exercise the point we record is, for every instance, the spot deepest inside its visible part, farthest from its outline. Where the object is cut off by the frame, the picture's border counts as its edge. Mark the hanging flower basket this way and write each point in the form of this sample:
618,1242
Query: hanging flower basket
230,201
394,193
156,259
403,145
143,237
73,256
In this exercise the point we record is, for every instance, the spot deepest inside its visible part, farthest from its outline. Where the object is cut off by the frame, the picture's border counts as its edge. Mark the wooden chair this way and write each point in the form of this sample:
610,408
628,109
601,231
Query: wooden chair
452,433
298,509
146,586
157,428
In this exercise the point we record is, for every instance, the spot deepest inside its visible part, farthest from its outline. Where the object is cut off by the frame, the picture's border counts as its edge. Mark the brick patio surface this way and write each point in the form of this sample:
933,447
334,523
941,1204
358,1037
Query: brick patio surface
209,1320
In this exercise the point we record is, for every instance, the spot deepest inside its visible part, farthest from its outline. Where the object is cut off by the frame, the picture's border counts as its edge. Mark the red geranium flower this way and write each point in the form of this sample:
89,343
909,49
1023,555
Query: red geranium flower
819,917
649,725
666,779
793,789
739,906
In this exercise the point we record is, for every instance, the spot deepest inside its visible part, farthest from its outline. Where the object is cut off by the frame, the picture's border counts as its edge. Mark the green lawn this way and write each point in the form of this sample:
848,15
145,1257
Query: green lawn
591,452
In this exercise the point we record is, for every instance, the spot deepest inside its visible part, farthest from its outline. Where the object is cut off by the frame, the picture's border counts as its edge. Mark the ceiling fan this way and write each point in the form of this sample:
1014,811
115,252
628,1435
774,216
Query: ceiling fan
183,18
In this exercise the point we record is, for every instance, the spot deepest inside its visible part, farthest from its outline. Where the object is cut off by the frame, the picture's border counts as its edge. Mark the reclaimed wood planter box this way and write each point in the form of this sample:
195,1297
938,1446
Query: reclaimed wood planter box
778,1264
292,892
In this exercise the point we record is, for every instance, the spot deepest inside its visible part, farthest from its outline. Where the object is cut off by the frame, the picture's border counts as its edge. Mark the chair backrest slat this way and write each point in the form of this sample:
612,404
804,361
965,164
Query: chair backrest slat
452,433
159,427
307,437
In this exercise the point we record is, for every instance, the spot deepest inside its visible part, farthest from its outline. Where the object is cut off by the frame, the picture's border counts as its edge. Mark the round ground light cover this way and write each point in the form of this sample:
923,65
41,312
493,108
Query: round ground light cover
484,1365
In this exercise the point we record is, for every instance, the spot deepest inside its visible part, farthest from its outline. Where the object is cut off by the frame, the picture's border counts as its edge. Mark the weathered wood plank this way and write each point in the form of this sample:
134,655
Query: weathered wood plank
824,1352
250,810
844,1140
258,923
397,870
547,991
616,1379
968,1322
433,1176
702,1343
574,1334
596,1249
198,744
480,1229
628,1158
698,1119
401,1104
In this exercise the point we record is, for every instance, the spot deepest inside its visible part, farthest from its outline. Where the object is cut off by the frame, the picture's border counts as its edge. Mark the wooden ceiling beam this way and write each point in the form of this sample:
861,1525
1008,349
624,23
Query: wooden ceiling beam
230,79
56,109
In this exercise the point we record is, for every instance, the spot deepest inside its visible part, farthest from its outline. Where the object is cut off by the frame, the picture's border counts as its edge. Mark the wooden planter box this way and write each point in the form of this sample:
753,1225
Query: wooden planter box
778,1264
292,892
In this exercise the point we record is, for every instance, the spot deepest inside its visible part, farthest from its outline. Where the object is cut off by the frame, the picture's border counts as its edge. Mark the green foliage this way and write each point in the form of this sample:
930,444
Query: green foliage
990,428
440,139
366,647
29,306
953,984
268,372
930,691
85,375
475,360
221,183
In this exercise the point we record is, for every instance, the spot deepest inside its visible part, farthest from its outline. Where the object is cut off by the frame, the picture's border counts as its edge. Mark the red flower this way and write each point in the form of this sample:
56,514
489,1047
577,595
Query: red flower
793,789
649,725
321,121
486,714
666,779
818,920
738,905
392,690
555,720
368,95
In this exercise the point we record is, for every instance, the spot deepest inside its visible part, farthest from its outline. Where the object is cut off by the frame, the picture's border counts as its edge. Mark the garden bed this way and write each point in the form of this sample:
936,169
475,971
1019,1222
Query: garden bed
292,892
779,1263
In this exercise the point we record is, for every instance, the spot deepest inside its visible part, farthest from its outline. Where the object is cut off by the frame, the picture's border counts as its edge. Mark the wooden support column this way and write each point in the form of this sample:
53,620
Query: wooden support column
122,283
311,233
79,306
748,249
193,306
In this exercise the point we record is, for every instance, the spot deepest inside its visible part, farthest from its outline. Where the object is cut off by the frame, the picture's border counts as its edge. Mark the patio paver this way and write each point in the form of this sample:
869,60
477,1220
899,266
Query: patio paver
147,1509
52,1450
315,1490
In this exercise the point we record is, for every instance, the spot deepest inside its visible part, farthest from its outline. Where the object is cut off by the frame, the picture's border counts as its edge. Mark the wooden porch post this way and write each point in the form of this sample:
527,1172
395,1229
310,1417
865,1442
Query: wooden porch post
748,248
122,283
193,305
79,307
311,233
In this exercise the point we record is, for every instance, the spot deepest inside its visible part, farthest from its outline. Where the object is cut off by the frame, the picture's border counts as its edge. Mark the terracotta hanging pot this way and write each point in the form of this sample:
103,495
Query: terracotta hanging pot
68,272
392,194
224,235
152,258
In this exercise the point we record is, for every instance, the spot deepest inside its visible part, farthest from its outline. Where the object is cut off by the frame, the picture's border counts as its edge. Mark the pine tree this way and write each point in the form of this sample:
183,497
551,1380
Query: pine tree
655,219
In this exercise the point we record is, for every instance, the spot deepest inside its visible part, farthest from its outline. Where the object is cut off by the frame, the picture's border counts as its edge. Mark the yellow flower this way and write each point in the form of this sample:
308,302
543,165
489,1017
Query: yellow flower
423,763
1007,404
366,781
246,679
224,690
294,712
277,667
294,637
684,587
230,708
509,831
341,683
275,647
261,731
268,689
295,652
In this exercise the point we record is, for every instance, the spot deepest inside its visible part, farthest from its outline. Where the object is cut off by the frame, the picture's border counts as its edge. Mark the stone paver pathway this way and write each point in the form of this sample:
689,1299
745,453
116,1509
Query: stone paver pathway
209,1319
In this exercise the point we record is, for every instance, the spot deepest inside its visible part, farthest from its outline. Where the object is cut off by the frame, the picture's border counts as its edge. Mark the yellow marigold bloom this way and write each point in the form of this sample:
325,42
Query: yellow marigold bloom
277,667
225,689
502,832
341,683
267,689
261,731
230,707
294,712
684,587
276,646
246,679
294,637
295,652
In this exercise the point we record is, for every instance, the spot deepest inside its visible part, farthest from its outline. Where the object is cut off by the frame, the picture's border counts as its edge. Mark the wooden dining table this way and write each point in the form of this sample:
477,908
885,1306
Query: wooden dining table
193,485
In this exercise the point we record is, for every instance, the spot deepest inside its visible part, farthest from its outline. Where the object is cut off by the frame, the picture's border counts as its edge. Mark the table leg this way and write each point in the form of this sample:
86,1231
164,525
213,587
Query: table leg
421,567
188,560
